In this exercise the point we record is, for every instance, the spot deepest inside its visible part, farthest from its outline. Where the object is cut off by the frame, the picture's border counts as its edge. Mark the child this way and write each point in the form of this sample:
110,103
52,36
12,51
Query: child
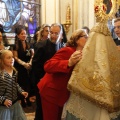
10,109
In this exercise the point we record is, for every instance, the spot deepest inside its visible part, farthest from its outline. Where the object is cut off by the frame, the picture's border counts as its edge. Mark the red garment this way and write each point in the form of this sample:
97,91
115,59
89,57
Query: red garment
51,111
53,86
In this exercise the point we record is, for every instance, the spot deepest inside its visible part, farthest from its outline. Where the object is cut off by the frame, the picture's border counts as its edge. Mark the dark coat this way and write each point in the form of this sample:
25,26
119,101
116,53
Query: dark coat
44,50
117,42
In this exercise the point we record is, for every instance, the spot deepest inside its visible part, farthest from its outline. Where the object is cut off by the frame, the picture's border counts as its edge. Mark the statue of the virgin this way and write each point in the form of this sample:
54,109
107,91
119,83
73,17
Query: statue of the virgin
95,80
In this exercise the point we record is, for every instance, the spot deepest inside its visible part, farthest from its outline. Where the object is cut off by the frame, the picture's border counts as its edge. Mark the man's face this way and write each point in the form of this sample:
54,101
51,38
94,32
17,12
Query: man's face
117,28
54,33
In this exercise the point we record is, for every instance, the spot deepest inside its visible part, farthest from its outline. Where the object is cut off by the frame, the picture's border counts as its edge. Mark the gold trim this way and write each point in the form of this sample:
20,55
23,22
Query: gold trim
68,23
96,102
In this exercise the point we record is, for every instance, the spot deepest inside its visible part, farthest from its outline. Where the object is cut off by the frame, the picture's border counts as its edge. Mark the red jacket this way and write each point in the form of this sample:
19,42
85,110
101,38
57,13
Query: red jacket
53,86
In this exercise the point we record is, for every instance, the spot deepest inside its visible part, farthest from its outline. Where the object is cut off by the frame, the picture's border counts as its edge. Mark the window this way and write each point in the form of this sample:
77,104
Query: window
19,12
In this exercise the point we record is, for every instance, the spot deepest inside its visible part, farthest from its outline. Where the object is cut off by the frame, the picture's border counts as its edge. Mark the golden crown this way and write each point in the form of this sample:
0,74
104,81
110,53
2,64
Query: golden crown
100,9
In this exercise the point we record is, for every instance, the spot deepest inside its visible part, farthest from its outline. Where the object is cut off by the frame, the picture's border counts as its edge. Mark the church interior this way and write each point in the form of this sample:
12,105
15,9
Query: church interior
72,14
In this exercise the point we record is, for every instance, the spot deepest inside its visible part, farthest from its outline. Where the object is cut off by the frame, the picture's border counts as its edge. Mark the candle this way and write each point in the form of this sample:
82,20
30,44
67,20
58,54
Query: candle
68,14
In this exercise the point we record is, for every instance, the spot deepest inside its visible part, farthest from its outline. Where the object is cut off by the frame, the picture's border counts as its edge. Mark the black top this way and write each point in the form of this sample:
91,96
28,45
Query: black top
24,55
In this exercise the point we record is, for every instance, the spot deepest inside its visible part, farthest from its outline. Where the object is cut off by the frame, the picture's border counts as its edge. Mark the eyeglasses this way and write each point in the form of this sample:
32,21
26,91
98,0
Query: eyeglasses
55,34
118,27
85,36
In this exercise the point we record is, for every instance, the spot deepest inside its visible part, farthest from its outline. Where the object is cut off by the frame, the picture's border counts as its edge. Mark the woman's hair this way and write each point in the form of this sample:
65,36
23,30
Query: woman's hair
117,19
18,29
36,33
1,29
75,36
41,30
64,39
18,43
2,56
4,38
86,28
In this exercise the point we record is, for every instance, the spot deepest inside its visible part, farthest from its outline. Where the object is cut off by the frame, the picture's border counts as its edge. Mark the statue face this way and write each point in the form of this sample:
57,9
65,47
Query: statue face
107,5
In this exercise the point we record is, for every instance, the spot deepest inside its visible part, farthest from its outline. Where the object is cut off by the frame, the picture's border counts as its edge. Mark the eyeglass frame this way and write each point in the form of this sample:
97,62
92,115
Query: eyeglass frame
85,36
56,34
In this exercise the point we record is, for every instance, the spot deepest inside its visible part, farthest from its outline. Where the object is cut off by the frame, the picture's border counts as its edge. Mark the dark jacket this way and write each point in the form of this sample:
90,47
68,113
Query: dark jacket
44,50
117,42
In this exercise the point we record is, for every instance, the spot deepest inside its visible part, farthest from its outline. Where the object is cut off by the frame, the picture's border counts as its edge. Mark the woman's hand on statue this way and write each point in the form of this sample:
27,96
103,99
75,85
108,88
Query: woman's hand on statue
75,57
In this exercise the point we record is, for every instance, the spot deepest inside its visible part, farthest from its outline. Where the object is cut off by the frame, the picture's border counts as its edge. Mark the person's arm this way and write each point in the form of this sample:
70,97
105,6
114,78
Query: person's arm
26,65
2,91
32,55
3,99
21,91
15,54
62,61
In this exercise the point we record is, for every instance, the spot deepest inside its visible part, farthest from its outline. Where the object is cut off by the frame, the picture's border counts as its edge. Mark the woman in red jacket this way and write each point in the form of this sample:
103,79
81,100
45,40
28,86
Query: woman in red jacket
53,86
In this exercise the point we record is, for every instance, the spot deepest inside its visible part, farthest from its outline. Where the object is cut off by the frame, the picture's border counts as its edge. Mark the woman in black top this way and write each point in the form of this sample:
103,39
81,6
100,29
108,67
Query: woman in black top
23,57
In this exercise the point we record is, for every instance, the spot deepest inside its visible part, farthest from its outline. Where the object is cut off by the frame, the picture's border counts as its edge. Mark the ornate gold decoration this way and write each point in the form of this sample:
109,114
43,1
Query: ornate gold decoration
96,77
67,24
100,10
102,17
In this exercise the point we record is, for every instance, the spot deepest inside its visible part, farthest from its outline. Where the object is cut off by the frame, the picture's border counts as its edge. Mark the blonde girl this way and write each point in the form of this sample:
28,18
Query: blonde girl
10,108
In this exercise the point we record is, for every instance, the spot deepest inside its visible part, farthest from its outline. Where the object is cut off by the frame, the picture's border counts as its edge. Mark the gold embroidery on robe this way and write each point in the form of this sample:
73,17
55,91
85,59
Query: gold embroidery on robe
97,76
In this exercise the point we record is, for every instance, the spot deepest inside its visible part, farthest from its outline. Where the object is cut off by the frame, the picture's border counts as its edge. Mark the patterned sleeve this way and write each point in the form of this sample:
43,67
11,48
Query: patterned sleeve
20,90
2,91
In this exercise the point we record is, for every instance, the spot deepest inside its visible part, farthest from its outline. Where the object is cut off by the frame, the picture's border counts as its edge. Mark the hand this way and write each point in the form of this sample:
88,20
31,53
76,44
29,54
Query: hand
25,94
27,66
8,103
30,63
74,58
